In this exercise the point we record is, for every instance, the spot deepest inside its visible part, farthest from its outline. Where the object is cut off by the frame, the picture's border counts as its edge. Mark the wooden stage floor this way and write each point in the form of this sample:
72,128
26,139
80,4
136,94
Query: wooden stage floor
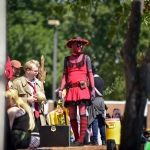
86,147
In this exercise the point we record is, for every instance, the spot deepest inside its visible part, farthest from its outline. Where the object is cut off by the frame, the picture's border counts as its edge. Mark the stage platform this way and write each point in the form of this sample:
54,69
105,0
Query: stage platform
86,147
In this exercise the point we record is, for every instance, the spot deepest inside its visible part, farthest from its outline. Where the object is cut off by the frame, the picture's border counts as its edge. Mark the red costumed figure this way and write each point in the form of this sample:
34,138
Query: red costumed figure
8,71
78,79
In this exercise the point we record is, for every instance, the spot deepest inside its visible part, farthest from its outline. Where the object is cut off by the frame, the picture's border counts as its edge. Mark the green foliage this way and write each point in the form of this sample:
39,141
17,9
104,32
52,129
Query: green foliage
118,85
146,13
120,18
103,23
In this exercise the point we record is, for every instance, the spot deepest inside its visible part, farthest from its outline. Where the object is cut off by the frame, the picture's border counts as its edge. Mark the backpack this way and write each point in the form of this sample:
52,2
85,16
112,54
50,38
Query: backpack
111,145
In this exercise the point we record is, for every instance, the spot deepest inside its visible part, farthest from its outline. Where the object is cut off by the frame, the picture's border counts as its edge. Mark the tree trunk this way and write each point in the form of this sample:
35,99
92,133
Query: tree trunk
136,85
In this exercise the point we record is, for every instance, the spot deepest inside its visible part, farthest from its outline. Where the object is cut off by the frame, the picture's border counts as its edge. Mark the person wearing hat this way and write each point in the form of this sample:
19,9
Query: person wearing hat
79,81
15,67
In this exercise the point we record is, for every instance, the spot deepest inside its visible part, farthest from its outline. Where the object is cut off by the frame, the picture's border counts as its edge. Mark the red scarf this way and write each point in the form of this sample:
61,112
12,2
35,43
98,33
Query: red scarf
36,103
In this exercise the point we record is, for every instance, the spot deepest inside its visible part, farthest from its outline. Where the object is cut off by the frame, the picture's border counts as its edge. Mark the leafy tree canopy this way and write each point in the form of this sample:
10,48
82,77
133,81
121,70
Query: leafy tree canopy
104,23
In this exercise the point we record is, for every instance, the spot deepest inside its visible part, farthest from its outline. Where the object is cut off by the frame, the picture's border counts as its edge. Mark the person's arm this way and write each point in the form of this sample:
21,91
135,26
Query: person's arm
64,77
90,74
63,80
11,114
91,77
15,87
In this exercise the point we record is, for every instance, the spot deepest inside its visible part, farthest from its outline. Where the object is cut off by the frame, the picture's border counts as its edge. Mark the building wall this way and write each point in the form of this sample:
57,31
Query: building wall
115,104
121,105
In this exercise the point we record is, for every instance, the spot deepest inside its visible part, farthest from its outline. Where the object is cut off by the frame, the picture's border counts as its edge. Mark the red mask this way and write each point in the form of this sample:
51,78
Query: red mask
77,47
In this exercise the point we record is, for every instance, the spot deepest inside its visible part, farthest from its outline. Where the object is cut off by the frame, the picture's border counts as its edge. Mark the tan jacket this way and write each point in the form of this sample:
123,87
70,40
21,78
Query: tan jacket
23,88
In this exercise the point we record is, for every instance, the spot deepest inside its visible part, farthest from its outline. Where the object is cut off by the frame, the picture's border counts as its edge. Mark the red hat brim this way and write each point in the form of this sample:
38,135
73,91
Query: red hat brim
78,39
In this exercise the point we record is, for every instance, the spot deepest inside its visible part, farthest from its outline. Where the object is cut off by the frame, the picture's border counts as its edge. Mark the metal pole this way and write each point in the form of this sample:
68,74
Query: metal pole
55,63
3,126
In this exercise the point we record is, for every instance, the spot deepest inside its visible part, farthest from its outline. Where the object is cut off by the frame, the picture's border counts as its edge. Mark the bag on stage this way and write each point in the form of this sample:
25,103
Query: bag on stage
54,136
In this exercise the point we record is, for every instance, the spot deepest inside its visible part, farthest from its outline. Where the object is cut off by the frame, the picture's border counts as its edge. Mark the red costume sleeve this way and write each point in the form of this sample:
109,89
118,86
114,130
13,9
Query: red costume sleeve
64,77
8,71
91,79
63,82
90,74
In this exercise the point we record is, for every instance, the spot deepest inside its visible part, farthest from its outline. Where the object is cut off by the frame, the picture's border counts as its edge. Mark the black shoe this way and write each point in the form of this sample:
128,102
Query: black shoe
87,143
76,144
103,142
94,142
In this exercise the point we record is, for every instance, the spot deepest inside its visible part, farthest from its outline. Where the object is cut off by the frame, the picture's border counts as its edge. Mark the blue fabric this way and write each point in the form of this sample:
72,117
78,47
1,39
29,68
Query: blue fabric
95,129
98,122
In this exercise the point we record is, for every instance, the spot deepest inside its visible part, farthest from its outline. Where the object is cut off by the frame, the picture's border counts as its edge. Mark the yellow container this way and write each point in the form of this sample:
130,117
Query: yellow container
59,119
113,129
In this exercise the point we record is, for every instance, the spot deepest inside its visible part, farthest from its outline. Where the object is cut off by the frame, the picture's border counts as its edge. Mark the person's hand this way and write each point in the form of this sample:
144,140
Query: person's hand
31,99
93,94
60,94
